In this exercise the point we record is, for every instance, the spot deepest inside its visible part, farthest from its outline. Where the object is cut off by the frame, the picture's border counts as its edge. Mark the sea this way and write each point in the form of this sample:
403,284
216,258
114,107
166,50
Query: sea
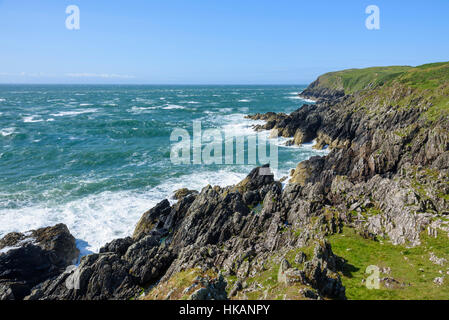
96,157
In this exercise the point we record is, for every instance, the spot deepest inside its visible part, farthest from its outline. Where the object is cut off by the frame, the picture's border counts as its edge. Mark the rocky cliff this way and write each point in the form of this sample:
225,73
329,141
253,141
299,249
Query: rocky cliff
380,197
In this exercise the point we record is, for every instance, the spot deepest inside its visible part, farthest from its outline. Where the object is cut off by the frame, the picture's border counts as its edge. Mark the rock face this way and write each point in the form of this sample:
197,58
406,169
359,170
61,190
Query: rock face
33,257
98,277
214,289
317,91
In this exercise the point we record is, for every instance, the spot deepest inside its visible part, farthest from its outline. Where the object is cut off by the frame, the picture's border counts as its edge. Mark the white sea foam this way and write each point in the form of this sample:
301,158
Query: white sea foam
138,110
244,100
73,112
302,99
172,107
31,119
85,104
7,131
238,125
308,100
2,100
97,219
19,244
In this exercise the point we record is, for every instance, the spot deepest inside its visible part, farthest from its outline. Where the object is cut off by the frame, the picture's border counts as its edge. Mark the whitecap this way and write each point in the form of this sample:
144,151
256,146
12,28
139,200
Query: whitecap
32,119
244,100
138,110
173,106
73,113
7,131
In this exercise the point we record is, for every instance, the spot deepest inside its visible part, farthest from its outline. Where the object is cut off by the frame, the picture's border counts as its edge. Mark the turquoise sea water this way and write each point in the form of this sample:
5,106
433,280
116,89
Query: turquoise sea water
97,157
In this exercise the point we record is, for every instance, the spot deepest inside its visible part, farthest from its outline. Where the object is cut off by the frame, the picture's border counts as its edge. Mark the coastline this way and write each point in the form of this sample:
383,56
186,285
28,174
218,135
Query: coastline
101,197
382,184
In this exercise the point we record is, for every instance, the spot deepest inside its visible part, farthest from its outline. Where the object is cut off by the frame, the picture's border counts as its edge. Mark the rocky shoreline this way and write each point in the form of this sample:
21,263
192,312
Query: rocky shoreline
386,177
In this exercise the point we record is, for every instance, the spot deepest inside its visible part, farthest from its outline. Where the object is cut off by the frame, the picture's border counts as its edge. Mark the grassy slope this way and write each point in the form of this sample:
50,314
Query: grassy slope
410,266
354,80
428,84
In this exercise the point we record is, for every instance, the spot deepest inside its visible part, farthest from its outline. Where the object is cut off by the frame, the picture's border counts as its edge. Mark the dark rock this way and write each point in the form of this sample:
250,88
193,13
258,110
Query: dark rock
152,219
181,193
98,277
214,289
117,246
33,257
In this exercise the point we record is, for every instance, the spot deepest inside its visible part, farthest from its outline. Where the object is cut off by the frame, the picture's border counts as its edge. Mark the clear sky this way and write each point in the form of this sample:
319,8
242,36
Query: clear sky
213,42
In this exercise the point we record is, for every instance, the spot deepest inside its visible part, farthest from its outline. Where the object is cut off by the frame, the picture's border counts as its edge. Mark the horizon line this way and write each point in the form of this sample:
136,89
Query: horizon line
162,84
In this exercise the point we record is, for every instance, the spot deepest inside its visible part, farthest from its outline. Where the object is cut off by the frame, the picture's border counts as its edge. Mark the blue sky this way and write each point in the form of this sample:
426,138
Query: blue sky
213,42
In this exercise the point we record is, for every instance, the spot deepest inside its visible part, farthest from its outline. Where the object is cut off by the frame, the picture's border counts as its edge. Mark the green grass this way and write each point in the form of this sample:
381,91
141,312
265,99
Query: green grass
428,84
408,265
354,80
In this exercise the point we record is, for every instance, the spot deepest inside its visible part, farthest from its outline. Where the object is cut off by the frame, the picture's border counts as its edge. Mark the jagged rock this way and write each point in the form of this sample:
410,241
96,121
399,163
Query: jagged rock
310,294
148,261
184,192
98,277
236,288
118,246
152,219
30,258
214,289
320,272
284,266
